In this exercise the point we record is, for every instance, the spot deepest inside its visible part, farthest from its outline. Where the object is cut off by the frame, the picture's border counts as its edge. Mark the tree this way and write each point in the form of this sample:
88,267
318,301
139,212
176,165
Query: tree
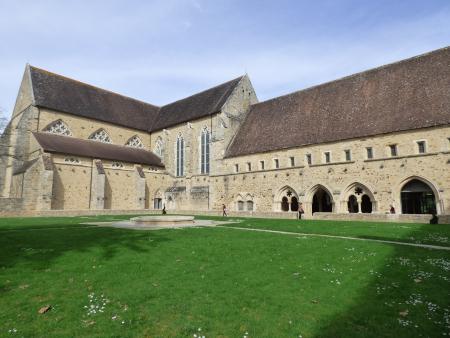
3,120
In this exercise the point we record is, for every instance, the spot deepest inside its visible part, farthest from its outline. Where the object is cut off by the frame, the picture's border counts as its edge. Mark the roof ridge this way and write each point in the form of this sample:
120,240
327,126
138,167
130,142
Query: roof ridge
346,77
160,115
89,85
228,92
203,91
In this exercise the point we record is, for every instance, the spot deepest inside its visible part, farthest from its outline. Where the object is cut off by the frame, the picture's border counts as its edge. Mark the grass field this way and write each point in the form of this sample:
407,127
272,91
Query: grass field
222,282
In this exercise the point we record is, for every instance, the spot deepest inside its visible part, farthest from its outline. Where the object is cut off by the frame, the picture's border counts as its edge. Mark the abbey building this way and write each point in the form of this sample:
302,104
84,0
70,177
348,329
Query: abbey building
364,144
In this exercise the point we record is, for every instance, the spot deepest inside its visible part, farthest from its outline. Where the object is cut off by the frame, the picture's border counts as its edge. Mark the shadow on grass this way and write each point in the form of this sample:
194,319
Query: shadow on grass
407,297
434,234
39,248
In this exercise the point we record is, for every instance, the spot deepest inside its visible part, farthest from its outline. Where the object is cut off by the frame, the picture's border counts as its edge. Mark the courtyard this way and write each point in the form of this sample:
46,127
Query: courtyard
250,278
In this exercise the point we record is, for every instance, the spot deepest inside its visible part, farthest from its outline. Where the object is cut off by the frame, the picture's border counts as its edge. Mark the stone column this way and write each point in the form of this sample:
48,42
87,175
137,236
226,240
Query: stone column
46,183
97,186
140,187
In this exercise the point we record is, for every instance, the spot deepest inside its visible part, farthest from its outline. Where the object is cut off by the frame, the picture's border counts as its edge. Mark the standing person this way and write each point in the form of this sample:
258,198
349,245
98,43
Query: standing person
224,210
300,211
392,209
164,210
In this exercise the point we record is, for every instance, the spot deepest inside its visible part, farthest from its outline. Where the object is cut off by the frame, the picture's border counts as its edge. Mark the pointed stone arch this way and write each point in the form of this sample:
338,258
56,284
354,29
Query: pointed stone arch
239,202
400,195
159,147
158,199
58,127
319,198
100,135
357,197
286,199
250,202
135,142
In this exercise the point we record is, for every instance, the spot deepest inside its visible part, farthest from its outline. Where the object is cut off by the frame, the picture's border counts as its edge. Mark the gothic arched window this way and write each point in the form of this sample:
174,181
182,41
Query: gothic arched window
180,156
58,127
204,151
159,147
135,142
101,136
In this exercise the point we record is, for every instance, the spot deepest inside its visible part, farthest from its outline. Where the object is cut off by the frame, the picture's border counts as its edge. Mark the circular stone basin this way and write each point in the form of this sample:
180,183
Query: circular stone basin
163,220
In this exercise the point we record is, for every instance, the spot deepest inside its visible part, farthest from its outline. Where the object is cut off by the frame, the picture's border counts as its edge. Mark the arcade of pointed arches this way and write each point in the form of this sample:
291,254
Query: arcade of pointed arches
245,202
416,196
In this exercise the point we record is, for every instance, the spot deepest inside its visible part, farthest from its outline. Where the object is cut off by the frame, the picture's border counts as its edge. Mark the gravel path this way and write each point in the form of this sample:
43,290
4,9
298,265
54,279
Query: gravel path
425,246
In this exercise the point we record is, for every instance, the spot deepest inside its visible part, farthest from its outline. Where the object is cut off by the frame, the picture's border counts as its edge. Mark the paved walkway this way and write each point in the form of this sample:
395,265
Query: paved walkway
425,246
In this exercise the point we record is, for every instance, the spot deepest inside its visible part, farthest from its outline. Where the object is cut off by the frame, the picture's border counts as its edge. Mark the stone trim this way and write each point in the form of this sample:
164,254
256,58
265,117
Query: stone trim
331,163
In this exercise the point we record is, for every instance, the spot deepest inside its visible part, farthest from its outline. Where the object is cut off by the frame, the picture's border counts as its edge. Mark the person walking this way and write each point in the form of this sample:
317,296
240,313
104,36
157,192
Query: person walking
301,211
224,210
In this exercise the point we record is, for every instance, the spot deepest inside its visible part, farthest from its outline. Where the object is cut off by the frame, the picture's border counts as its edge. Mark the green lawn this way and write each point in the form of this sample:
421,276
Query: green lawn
106,282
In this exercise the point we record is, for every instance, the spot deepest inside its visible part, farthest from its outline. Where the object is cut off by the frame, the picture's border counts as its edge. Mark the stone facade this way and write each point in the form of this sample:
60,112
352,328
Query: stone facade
328,178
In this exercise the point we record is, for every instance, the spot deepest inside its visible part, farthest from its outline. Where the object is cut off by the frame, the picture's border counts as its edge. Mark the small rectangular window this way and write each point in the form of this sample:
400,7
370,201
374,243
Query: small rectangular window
369,153
249,166
309,159
393,148
276,163
292,161
236,168
348,155
421,147
261,165
327,157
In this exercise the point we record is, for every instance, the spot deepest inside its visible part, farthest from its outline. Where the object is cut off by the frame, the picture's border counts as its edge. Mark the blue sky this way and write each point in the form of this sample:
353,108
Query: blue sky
160,51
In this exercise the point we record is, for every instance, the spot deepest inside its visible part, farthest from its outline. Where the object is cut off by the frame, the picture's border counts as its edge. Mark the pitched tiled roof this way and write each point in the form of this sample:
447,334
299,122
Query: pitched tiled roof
196,106
69,145
410,94
60,93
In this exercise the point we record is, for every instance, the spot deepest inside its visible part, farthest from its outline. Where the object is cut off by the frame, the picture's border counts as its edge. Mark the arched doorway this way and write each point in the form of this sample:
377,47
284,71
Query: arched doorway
284,204
294,204
322,201
417,197
352,203
366,204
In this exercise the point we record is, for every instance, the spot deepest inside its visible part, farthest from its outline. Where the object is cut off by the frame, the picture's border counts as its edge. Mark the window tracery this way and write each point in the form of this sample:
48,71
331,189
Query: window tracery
58,127
101,136
135,142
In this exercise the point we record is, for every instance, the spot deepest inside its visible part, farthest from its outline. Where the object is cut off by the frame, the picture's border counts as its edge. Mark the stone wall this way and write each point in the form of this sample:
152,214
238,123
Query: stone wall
81,127
374,217
382,176
71,183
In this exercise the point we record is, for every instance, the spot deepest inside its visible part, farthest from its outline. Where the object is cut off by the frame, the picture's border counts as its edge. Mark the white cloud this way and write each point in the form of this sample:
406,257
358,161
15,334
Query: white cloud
163,50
